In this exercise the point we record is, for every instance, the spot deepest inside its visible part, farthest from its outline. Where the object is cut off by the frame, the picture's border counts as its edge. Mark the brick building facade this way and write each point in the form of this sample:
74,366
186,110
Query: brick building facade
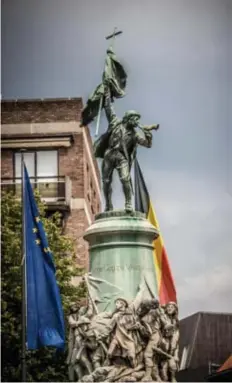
58,154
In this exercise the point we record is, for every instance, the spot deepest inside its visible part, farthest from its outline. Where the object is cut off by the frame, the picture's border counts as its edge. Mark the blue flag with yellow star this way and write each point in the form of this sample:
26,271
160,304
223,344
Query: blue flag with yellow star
45,318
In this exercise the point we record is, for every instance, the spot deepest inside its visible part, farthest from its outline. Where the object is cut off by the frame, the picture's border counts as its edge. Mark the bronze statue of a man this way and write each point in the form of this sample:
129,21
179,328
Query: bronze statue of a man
118,147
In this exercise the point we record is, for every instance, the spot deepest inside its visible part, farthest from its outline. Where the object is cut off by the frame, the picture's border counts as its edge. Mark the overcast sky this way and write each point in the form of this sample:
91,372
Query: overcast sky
177,56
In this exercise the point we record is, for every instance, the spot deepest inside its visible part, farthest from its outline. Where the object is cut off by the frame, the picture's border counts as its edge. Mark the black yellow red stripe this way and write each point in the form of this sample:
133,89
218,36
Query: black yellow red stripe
165,283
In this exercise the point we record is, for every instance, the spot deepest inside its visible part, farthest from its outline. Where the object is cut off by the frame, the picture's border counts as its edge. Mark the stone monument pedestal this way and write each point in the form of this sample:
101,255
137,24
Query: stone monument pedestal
121,254
124,334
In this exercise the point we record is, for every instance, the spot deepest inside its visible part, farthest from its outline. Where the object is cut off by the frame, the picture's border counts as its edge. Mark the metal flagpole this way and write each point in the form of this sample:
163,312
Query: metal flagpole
99,116
114,34
23,268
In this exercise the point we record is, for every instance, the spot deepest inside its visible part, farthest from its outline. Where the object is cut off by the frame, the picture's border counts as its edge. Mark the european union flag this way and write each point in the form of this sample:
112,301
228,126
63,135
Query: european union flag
45,318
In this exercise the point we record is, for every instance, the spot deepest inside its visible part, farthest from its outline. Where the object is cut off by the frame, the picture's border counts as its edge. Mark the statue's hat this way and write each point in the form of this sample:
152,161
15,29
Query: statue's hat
123,300
131,113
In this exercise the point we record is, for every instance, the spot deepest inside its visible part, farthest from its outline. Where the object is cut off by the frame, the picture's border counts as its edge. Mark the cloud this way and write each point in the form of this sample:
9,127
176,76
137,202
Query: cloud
208,291
212,281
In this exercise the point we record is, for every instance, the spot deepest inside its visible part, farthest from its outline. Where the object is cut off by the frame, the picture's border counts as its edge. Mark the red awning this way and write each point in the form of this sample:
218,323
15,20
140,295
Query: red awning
226,365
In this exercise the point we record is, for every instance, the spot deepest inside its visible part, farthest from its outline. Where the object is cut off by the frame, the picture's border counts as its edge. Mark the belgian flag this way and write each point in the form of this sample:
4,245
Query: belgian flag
165,283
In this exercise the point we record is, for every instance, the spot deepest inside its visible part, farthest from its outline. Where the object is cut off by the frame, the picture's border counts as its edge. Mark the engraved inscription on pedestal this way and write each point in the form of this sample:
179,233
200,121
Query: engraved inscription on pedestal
118,268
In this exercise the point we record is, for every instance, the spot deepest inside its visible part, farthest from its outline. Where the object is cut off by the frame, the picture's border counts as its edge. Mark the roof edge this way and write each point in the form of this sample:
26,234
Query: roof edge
57,99
206,312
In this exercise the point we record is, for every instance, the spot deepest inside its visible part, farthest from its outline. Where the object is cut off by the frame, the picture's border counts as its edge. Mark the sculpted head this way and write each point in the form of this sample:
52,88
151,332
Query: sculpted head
171,309
146,306
131,119
74,307
121,304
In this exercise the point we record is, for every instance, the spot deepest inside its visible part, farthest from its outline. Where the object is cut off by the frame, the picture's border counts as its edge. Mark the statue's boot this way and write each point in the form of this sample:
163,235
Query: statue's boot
128,195
132,361
164,374
79,373
170,375
107,190
88,366
147,377
71,373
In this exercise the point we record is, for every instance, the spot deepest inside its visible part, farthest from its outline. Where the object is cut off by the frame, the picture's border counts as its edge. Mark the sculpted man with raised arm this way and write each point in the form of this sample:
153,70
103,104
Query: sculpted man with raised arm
118,147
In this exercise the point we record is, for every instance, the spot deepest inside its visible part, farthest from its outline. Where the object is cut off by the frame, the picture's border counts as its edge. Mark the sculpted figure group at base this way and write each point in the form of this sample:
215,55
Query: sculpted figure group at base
130,344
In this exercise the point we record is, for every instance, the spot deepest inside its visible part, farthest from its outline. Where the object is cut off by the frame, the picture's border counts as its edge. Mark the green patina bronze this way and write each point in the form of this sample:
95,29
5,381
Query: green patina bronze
117,146
121,256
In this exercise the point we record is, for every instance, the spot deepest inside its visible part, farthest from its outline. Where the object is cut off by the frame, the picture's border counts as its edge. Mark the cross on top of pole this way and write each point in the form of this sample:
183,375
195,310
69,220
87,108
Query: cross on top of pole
113,35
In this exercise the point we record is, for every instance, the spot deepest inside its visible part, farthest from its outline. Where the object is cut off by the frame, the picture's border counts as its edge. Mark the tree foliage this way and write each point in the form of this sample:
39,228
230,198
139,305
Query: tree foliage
45,364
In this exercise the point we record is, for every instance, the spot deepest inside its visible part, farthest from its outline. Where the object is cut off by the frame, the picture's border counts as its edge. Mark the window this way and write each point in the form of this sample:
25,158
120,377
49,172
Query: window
47,163
29,159
42,167
39,164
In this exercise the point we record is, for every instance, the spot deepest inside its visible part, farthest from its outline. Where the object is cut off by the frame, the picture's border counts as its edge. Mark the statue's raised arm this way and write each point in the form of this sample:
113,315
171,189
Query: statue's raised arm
146,139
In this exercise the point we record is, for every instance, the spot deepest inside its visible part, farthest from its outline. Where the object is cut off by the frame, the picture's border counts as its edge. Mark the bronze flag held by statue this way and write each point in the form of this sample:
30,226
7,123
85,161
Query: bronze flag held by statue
116,76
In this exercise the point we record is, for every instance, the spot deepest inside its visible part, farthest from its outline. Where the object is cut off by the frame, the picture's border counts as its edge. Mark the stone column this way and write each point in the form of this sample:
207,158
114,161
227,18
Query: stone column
121,253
